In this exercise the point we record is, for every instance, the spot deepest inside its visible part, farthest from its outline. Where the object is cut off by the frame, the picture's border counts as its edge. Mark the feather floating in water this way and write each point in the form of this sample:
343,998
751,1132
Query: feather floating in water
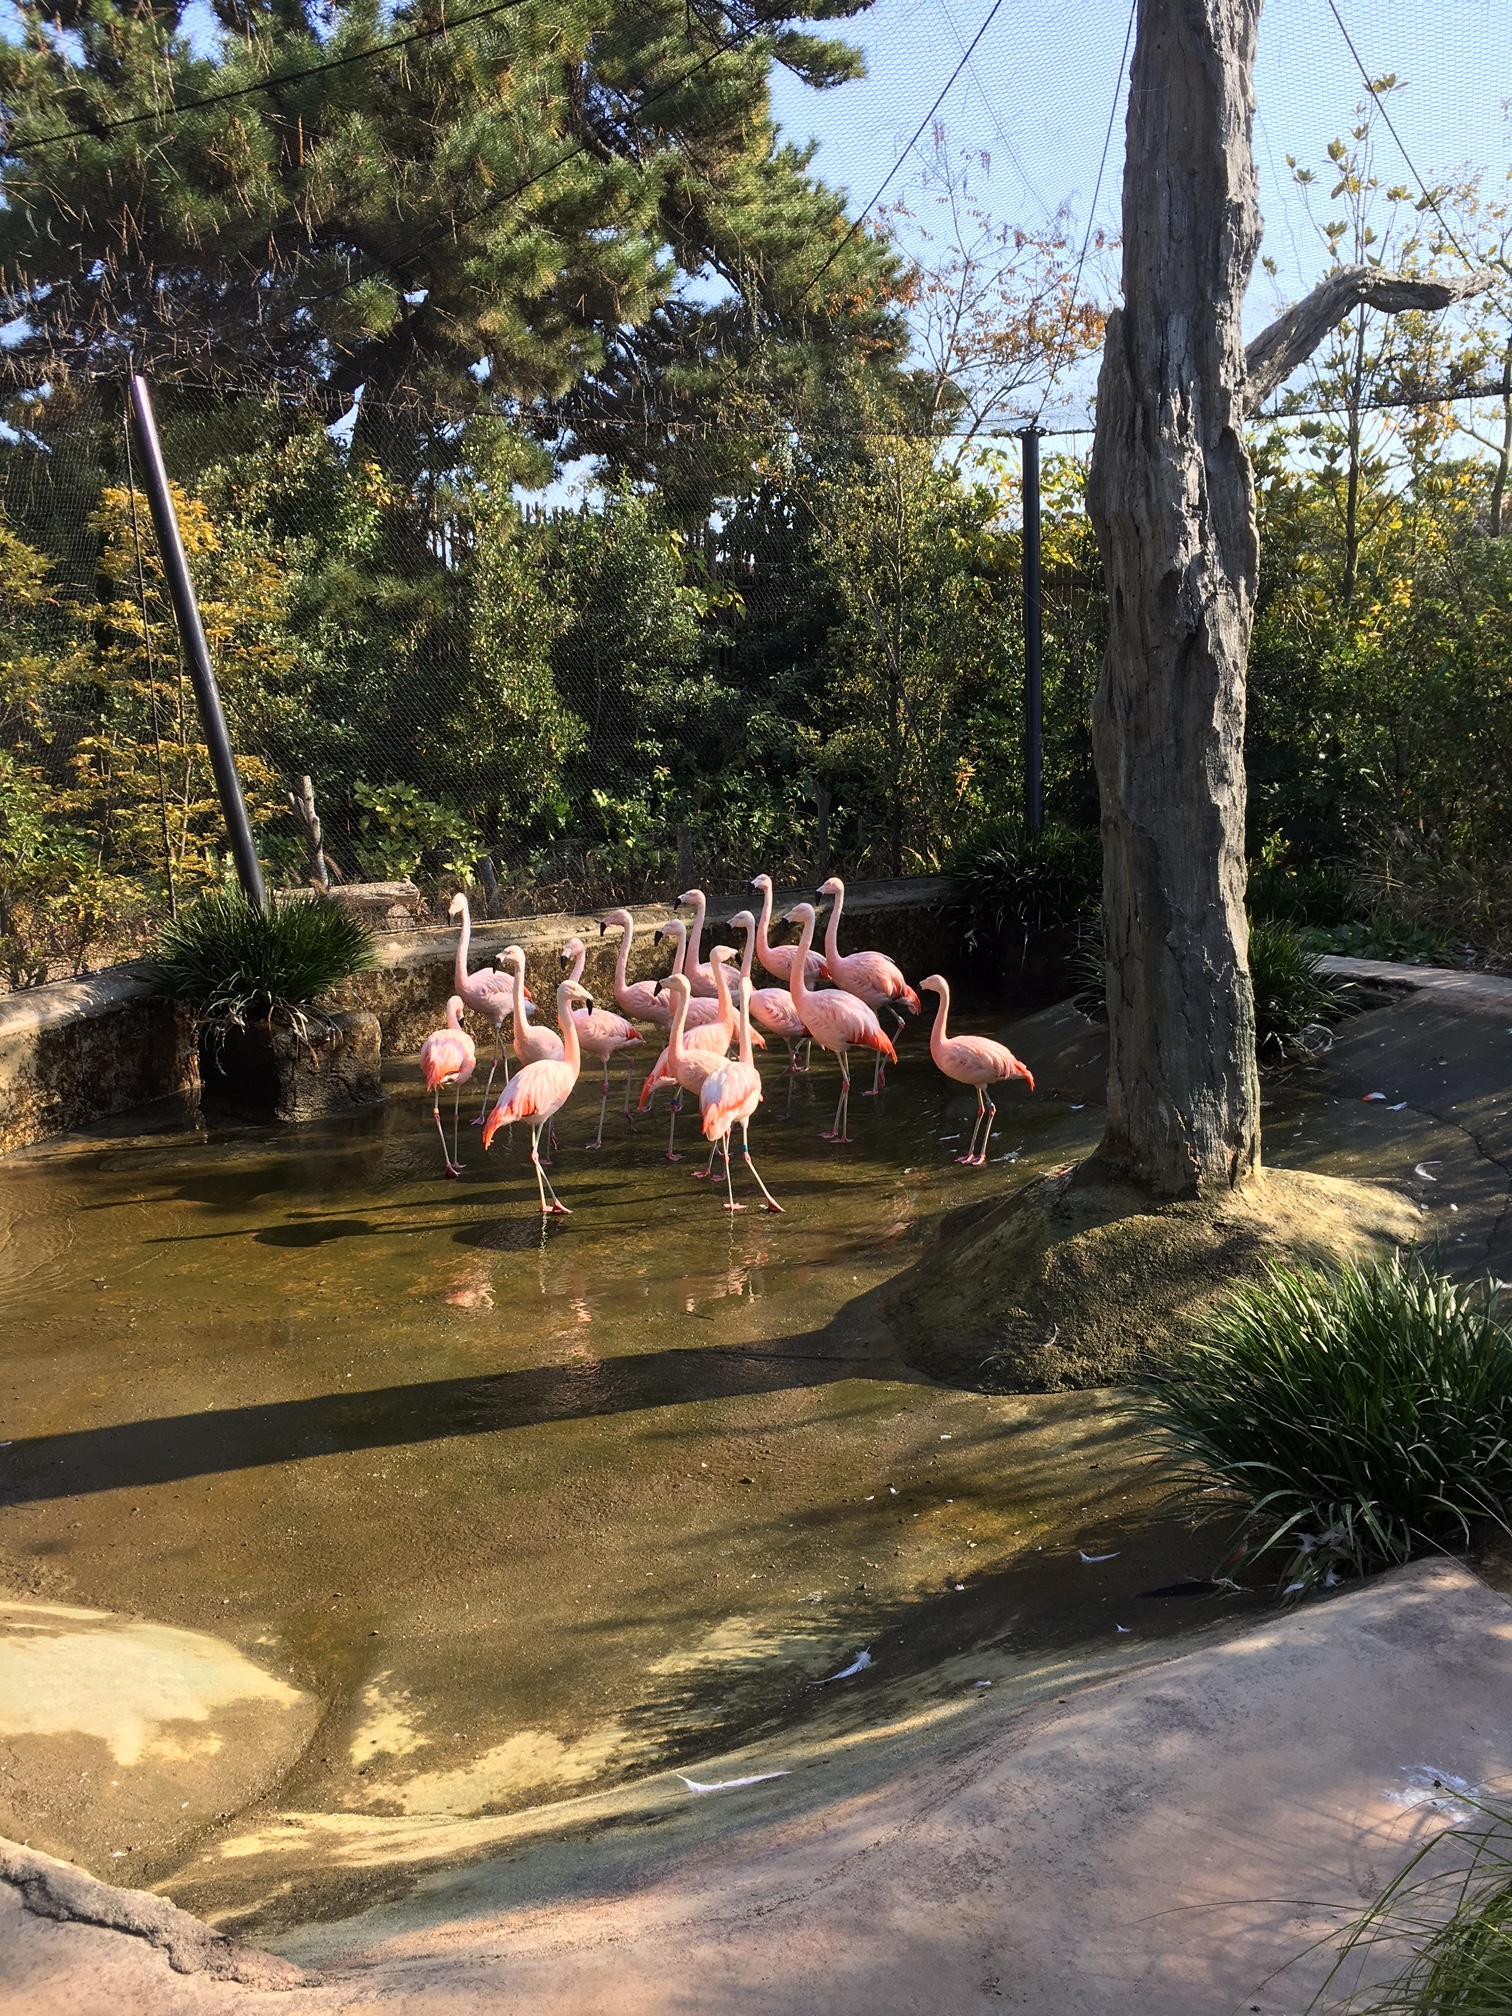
729,1784
858,1665
1424,1169
1370,1098
1093,1559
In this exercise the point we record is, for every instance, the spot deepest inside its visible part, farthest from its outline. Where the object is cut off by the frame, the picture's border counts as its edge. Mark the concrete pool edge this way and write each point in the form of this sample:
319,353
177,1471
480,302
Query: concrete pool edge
76,1051
1349,1736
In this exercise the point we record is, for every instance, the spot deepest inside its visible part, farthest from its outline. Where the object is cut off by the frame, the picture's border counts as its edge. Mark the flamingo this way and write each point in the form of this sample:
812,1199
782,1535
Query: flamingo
687,1060
532,1043
700,974
972,1060
771,1007
871,976
449,1057
778,959
600,1034
702,1009
728,1097
834,1018
715,1037
542,1089
636,998
488,993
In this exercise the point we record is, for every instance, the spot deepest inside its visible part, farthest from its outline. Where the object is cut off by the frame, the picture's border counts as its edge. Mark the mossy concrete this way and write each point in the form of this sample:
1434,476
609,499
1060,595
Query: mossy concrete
1073,1282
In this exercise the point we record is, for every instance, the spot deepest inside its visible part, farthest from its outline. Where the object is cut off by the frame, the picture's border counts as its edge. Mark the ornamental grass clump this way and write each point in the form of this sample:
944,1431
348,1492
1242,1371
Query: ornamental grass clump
1449,1913
1352,1418
235,965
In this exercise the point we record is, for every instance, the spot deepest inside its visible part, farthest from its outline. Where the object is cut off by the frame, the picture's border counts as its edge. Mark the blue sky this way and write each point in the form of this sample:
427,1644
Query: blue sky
1037,97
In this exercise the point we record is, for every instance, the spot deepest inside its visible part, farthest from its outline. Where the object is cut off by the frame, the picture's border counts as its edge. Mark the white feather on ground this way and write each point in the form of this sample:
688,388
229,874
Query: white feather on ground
858,1665
729,1784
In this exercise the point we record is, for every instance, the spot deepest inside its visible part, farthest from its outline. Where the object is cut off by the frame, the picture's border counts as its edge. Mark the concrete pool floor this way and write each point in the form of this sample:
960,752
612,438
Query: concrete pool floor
528,1520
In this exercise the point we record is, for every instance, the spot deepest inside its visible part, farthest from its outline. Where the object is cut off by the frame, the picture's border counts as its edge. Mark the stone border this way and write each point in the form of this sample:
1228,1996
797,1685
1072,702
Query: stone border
70,1896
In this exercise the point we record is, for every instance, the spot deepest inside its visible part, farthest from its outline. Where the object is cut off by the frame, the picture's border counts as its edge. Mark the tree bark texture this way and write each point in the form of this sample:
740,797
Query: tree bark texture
1172,500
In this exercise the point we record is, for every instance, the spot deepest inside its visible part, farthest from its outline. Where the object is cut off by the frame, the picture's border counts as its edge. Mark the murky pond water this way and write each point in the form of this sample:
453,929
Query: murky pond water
539,1509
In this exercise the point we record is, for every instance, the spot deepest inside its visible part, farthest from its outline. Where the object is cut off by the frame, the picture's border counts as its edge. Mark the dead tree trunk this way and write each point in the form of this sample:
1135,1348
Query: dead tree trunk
1173,503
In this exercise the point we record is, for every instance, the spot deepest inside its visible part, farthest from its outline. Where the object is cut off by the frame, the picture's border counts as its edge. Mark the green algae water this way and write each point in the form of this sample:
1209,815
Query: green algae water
533,1510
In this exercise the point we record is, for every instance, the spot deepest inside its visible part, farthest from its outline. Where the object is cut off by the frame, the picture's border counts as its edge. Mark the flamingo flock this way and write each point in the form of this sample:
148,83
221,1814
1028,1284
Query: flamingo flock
702,1010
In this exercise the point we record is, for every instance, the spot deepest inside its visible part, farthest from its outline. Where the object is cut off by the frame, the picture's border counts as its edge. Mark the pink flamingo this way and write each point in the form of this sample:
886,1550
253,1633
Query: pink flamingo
600,1034
778,959
771,1007
449,1057
834,1018
871,976
972,1060
486,992
532,1043
701,1010
688,1058
700,973
541,1090
715,1037
728,1097
636,998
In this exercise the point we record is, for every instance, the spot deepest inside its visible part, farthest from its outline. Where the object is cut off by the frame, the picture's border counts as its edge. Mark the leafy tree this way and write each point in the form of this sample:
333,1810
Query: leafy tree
577,168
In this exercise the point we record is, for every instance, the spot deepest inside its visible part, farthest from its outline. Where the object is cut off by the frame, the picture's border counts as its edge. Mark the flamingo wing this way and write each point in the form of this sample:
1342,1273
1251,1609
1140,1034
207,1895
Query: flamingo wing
535,1093
773,1008
447,1057
875,978
838,1020
729,1095
977,1060
601,1032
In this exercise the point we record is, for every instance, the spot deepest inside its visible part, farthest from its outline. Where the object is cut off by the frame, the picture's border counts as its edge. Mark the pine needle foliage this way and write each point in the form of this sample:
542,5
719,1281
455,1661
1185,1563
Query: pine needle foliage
234,964
1354,1418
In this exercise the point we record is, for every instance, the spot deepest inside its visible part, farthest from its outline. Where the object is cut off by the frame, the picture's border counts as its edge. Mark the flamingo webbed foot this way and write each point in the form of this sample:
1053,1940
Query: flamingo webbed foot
732,1207
673,1158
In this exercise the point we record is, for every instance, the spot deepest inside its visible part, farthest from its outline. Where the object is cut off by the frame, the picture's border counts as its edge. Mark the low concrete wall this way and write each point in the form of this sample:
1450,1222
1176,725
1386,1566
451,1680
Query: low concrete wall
81,1050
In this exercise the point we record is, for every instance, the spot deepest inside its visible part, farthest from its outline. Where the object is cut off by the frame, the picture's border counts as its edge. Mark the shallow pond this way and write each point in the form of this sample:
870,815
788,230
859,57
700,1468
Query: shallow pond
540,1509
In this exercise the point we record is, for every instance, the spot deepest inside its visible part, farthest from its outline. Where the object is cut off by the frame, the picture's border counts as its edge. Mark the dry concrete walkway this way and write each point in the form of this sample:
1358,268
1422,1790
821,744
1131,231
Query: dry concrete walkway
1156,1845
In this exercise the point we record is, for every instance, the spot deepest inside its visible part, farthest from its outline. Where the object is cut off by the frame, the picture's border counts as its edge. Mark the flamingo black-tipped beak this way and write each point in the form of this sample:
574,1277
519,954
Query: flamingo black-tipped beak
563,962
658,987
588,1003
603,927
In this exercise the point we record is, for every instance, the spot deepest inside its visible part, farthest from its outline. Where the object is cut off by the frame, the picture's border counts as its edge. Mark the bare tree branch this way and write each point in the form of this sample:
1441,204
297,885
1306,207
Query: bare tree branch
1292,338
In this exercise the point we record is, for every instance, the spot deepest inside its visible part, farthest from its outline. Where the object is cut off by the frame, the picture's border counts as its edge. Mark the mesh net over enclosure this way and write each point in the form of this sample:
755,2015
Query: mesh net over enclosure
686,536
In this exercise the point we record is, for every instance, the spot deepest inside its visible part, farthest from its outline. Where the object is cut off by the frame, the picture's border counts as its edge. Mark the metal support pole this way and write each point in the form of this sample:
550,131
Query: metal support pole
196,651
1034,787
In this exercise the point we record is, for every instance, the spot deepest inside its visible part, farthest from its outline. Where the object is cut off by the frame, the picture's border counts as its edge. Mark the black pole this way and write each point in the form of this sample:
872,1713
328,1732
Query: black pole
196,651
1034,785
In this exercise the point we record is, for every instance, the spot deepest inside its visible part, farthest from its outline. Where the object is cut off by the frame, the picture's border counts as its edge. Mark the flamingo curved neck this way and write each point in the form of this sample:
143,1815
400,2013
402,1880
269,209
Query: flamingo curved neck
764,922
522,1020
747,1056
572,1053
579,960
722,989
832,927
677,931
675,1032
464,943
798,985
939,1036
622,960
693,945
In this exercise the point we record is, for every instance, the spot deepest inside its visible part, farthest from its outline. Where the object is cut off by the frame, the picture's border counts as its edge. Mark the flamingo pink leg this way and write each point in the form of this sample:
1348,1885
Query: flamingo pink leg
598,1139
452,1168
672,1156
456,1126
745,1149
968,1160
707,1170
837,1132
981,1160
731,1205
556,1208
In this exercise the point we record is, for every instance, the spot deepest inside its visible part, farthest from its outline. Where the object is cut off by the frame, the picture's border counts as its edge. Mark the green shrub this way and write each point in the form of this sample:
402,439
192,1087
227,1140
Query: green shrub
399,832
1290,989
1352,1418
1317,894
233,963
1285,970
1010,880
1450,1911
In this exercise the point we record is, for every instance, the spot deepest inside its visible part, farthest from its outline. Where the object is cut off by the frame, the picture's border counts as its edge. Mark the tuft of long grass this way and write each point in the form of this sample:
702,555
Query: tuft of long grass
234,964
1353,1418
1450,1913
1011,880
1290,988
